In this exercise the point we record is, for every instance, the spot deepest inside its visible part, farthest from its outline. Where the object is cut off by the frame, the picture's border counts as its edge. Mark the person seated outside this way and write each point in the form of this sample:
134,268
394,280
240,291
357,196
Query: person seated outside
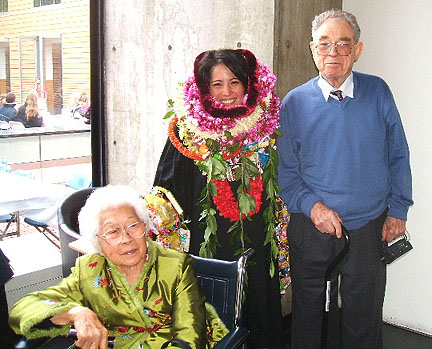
133,288
83,108
2,99
29,113
7,110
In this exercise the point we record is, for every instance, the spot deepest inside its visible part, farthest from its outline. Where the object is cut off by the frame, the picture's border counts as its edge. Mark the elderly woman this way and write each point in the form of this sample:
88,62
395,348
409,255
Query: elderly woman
220,164
133,289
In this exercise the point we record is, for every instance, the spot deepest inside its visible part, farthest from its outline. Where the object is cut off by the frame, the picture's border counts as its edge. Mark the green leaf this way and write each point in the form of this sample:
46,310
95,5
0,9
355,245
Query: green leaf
170,103
234,226
275,157
278,132
246,203
270,189
211,223
268,214
227,135
238,251
169,114
212,189
275,250
269,237
213,145
232,148
203,195
250,167
204,251
218,167
207,233
272,269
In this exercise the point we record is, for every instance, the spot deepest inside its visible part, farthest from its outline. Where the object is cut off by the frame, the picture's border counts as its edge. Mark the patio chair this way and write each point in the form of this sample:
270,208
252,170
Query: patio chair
9,219
44,229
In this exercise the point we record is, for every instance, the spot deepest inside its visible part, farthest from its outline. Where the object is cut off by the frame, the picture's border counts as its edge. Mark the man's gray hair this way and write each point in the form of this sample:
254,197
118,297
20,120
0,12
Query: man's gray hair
336,14
104,198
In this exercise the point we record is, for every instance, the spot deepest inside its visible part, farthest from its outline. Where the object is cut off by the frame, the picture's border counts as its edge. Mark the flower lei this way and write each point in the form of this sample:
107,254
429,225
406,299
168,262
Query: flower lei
227,204
169,228
232,144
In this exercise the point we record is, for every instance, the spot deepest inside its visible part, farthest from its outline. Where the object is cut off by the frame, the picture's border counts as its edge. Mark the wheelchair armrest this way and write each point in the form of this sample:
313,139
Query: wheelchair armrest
233,339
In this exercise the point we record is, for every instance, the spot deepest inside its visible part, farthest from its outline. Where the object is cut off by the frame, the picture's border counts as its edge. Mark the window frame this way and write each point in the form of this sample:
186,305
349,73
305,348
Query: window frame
97,90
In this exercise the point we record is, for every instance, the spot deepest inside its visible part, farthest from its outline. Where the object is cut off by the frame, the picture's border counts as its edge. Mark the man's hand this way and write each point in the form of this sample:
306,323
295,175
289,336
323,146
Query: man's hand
91,333
326,220
393,228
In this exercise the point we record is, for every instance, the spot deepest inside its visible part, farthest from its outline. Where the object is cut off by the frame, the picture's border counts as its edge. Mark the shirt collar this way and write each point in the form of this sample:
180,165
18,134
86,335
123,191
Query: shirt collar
347,87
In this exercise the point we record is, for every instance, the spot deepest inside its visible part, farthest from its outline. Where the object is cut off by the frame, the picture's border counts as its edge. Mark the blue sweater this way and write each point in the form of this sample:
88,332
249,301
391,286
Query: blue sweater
350,155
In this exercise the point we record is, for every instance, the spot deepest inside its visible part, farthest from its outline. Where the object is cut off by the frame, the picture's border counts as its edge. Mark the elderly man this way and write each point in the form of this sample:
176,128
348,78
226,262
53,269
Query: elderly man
344,160
7,110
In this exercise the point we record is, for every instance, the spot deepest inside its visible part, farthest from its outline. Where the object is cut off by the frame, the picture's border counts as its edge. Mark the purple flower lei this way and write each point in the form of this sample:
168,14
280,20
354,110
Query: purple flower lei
263,83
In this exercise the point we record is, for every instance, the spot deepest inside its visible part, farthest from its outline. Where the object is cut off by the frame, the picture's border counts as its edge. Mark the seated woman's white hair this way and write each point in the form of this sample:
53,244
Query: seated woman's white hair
103,198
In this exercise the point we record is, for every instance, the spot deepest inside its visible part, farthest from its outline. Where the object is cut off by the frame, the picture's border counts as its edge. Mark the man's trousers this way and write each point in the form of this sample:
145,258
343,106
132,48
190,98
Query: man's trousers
358,324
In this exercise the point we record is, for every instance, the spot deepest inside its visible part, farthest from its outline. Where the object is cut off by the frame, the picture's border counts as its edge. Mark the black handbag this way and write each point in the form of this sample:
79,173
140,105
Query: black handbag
6,271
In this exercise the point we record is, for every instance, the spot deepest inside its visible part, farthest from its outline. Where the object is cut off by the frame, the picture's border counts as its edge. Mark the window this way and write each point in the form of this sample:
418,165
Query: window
3,5
38,3
39,52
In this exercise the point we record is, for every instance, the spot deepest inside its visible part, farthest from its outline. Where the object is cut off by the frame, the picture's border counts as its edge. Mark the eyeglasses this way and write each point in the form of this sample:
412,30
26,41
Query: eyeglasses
324,48
115,235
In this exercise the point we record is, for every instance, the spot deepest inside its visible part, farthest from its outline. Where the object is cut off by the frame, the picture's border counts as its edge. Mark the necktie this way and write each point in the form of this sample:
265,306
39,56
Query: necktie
338,94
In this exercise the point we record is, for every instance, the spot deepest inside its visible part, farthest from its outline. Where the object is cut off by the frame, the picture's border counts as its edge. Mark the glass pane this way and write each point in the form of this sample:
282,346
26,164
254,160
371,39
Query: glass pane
3,5
44,52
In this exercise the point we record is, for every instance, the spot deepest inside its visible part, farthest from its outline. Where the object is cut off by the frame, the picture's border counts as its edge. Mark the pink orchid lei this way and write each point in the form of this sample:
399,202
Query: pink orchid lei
259,120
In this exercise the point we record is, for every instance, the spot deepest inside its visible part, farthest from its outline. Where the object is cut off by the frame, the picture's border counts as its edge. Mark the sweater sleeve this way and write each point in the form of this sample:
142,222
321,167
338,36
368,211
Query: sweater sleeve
295,193
399,167
36,307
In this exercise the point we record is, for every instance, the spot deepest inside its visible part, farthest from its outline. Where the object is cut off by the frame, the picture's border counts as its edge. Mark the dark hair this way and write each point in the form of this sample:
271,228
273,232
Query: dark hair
10,97
233,59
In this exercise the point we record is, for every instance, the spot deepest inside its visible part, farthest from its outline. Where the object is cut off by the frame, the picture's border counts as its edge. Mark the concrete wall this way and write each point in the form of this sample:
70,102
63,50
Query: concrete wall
396,36
149,47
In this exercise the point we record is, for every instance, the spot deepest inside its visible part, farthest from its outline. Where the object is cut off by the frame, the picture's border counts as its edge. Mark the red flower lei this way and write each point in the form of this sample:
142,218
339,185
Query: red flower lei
227,205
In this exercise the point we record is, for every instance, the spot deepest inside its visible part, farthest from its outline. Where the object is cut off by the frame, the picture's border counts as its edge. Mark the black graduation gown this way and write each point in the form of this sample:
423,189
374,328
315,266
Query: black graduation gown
262,308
